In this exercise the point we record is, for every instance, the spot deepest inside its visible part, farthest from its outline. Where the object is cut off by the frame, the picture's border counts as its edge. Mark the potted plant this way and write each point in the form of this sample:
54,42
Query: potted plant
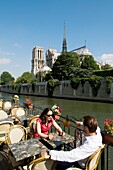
56,111
108,132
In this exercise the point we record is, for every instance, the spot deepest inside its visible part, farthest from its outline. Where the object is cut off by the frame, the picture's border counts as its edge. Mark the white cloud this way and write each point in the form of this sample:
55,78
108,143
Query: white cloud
17,45
106,59
5,61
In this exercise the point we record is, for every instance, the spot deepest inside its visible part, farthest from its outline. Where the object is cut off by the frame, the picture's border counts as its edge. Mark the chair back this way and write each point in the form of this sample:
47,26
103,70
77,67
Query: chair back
16,134
3,115
1,103
17,111
4,128
41,163
20,112
93,160
32,125
7,106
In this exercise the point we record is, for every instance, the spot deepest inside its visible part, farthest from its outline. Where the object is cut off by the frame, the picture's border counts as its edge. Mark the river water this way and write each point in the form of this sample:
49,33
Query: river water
74,108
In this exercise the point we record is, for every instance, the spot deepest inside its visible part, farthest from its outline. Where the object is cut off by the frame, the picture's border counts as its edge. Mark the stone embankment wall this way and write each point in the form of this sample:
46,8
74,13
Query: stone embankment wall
64,91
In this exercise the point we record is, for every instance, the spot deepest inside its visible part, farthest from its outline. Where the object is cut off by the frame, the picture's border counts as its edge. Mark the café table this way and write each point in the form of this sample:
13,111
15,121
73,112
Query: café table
26,149
58,141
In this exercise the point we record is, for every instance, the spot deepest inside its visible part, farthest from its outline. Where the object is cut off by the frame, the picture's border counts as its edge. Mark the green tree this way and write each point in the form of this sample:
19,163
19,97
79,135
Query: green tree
109,81
51,84
48,76
65,65
26,77
89,63
106,67
95,82
82,73
6,78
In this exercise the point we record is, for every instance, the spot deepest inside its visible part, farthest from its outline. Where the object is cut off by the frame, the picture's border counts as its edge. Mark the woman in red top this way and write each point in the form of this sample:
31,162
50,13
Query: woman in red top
43,124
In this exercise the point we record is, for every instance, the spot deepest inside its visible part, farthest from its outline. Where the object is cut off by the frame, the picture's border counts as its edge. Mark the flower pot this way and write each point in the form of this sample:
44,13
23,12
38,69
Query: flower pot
107,138
57,117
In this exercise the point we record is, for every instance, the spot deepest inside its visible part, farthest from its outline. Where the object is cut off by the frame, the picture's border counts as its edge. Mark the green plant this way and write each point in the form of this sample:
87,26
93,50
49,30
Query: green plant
18,87
33,87
109,81
51,84
95,82
75,83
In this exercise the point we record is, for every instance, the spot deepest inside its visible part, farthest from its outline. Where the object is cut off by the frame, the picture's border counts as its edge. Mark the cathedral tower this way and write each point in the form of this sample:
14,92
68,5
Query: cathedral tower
37,59
64,45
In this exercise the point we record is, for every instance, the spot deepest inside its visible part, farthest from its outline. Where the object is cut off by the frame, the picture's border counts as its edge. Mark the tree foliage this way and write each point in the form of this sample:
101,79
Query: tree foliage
6,78
89,63
65,65
109,81
51,84
106,67
95,82
26,77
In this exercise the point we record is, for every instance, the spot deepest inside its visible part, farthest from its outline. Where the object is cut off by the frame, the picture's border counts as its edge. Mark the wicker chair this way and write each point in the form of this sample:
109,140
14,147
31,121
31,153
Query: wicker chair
93,160
3,115
16,134
7,105
32,124
1,103
42,163
17,111
4,128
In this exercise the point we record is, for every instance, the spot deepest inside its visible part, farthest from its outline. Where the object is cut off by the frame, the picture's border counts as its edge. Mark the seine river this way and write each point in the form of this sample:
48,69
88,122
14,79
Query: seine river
74,108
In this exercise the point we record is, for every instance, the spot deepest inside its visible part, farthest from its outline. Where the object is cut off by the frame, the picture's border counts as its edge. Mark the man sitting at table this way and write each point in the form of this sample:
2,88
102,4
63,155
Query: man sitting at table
77,157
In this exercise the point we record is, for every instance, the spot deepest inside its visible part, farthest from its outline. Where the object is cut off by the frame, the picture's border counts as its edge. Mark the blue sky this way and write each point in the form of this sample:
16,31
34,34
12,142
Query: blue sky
28,23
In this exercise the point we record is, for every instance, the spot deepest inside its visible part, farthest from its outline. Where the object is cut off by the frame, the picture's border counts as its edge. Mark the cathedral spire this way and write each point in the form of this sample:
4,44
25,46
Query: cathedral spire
64,45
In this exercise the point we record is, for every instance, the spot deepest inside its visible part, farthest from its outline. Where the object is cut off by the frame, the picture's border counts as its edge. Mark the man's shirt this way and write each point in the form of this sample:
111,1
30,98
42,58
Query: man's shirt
89,146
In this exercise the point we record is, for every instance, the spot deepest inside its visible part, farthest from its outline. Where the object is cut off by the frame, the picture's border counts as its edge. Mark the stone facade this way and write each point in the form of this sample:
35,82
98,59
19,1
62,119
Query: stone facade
37,61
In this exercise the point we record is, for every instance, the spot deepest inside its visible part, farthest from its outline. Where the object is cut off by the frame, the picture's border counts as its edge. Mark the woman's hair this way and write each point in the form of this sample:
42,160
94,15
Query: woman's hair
42,116
91,123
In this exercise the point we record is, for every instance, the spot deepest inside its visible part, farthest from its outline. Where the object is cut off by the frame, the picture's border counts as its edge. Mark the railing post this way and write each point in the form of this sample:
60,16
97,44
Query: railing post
107,156
103,160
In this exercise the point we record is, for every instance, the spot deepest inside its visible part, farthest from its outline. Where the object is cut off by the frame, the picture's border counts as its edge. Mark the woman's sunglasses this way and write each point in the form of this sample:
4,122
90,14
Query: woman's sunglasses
49,115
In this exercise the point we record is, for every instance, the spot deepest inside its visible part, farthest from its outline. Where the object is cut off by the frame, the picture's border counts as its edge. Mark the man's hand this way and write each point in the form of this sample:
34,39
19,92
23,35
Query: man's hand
78,123
44,154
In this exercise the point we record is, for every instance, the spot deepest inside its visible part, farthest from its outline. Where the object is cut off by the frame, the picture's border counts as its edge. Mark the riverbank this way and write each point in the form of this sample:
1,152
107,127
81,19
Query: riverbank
64,91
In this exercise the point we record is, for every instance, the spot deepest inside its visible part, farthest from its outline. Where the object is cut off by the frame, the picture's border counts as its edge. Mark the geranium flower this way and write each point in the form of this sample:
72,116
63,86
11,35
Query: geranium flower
108,126
56,109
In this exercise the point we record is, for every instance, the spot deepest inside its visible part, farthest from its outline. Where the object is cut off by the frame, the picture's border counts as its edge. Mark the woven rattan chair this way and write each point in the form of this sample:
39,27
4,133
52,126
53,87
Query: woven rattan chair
17,111
7,105
20,112
3,115
1,103
4,128
42,163
93,160
32,125
16,134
